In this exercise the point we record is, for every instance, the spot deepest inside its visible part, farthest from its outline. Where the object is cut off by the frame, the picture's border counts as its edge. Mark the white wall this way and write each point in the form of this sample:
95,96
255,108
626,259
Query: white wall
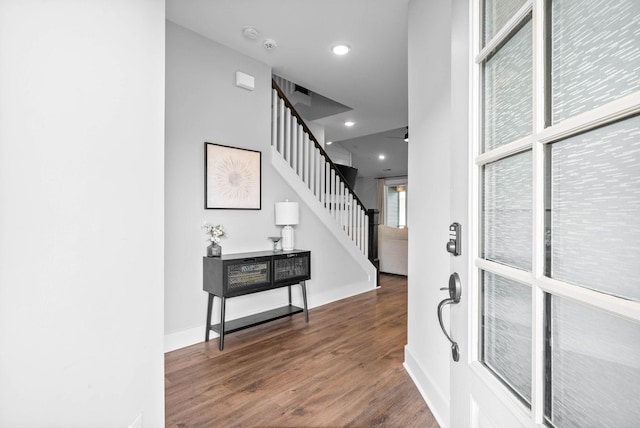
81,213
203,104
338,154
367,190
427,353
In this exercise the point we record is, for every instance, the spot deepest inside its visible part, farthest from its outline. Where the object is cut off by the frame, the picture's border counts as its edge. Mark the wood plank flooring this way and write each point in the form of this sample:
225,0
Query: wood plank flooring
343,368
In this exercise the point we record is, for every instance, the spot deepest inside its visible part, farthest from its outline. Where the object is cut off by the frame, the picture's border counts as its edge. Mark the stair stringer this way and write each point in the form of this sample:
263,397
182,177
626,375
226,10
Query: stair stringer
325,217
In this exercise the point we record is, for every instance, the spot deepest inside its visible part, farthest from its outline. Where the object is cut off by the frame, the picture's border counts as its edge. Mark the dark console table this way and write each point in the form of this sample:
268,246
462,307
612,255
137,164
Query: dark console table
233,275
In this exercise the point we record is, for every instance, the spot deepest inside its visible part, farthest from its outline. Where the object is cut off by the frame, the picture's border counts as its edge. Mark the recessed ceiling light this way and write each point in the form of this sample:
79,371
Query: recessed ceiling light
349,123
340,49
329,143
381,157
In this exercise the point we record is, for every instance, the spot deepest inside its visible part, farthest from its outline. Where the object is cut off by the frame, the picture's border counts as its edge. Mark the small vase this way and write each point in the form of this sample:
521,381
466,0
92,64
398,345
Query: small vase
214,250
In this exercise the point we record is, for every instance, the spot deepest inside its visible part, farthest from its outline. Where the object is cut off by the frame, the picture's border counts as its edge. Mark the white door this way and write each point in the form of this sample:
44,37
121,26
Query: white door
545,174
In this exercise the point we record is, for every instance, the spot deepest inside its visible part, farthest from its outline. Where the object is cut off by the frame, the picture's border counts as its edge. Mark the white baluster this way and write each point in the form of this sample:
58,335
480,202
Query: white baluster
359,239
301,153
287,135
337,198
312,163
298,151
351,211
326,184
366,236
294,142
343,204
305,163
274,117
332,190
318,173
281,127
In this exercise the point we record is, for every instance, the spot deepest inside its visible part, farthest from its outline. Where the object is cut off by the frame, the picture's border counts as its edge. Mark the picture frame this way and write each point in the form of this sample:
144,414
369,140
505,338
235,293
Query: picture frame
232,178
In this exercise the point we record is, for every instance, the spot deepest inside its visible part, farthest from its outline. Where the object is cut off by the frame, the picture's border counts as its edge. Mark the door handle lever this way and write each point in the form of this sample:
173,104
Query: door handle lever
455,292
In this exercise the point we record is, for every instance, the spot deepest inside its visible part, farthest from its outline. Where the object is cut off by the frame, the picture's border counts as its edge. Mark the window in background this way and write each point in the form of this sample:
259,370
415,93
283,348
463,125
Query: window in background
396,204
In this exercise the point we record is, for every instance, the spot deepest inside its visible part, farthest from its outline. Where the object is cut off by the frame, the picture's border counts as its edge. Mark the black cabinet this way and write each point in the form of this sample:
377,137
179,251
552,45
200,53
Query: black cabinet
233,275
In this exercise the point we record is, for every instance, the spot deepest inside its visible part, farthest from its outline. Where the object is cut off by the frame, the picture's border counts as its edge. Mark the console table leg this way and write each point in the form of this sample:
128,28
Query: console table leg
209,308
304,300
222,306
289,295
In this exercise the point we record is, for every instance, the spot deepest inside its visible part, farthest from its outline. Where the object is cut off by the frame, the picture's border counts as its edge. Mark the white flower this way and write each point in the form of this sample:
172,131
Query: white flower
215,232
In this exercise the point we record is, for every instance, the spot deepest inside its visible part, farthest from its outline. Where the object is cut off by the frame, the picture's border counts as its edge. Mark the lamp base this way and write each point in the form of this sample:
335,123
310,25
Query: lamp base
287,238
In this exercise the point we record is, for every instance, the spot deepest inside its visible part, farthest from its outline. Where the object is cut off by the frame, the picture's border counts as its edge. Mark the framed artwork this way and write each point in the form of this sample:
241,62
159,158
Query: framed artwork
232,178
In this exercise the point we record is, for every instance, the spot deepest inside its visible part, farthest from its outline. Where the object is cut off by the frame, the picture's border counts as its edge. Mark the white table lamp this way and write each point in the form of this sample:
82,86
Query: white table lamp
287,214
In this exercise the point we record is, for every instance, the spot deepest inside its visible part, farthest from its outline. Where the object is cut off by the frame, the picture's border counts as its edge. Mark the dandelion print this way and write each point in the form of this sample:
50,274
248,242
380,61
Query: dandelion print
233,177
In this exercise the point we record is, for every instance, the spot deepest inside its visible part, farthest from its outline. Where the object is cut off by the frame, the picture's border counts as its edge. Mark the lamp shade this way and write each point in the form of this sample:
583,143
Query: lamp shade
286,213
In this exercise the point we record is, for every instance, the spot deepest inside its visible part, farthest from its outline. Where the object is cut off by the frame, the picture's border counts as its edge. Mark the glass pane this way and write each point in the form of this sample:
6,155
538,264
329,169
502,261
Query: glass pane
507,211
508,82
595,209
392,212
595,368
497,13
595,53
507,331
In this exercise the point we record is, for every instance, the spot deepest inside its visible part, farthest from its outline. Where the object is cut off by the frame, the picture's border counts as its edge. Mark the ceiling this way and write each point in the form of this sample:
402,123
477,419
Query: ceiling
371,79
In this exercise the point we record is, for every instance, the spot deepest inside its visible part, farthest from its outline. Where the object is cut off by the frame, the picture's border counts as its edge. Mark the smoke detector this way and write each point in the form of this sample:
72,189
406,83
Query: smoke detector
269,44
250,33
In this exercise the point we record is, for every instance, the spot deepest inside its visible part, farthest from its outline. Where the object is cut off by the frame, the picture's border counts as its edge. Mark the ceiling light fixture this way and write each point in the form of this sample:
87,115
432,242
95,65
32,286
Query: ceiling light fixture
329,143
340,49
381,157
349,123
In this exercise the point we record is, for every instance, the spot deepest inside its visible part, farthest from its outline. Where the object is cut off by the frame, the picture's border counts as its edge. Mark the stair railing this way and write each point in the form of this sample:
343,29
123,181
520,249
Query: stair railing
294,141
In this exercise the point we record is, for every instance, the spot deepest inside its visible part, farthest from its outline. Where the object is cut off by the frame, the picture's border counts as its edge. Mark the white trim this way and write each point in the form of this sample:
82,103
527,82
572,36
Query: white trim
505,150
504,32
508,272
475,139
537,297
502,393
538,218
628,309
194,335
187,337
615,110
437,402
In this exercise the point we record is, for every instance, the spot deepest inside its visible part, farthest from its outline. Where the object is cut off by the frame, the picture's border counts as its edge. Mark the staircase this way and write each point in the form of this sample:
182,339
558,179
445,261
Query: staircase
303,163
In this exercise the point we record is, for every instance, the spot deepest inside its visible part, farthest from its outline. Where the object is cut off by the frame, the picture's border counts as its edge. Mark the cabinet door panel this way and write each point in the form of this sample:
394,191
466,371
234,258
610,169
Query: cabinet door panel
291,268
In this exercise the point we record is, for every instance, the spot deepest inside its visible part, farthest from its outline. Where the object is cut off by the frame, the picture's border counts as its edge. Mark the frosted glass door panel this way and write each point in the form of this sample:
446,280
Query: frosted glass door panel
595,368
507,332
508,91
595,209
595,53
496,15
507,211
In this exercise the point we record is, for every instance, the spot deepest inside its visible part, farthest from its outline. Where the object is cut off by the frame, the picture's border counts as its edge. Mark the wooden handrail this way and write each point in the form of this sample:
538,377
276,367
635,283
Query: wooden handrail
317,145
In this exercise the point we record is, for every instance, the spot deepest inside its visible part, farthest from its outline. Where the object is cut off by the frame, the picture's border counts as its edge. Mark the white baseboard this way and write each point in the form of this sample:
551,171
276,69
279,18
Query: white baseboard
437,402
346,291
184,338
191,336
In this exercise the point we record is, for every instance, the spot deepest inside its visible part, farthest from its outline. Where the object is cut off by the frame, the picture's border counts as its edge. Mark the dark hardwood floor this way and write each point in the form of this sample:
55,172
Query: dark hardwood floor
343,368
